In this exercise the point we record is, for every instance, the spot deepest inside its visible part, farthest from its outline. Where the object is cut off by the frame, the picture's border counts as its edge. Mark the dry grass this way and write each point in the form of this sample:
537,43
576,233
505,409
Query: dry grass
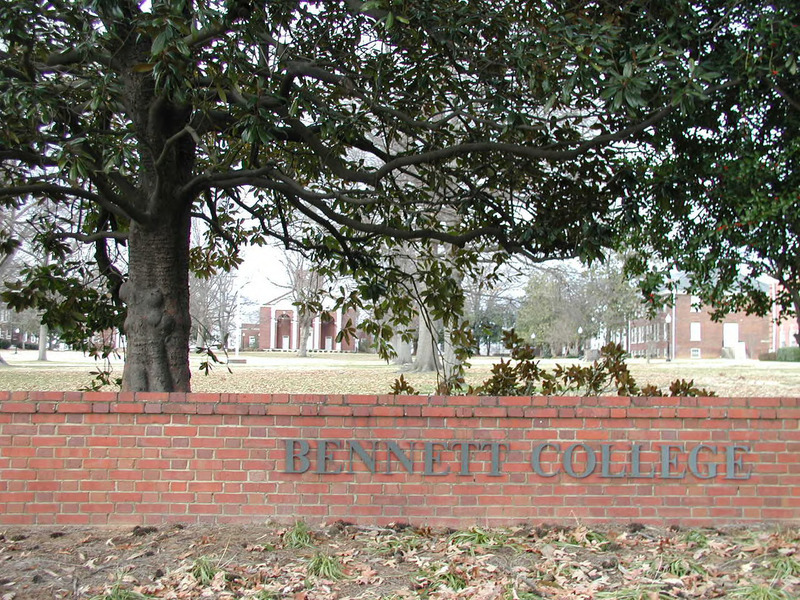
366,374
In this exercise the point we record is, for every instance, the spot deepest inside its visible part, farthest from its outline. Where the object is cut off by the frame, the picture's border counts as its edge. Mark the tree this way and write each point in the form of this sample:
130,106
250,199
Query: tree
550,313
563,299
139,117
306,288
721,199
492,301
214,301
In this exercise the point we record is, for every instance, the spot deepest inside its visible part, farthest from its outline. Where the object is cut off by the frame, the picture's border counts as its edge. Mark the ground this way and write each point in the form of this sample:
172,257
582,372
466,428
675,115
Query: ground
532,562
342,561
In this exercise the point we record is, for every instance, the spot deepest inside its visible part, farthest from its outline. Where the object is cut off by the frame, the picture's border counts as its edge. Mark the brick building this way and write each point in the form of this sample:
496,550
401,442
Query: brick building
278,329
686,330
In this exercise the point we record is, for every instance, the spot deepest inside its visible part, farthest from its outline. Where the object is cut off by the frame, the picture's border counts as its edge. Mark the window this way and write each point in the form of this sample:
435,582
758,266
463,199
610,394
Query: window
694,332
695,305
695,352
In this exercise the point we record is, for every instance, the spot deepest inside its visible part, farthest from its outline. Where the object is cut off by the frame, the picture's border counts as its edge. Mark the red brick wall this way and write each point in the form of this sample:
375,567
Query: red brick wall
106,458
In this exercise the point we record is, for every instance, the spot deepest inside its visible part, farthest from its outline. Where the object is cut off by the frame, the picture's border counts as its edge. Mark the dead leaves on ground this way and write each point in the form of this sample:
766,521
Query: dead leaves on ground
406,563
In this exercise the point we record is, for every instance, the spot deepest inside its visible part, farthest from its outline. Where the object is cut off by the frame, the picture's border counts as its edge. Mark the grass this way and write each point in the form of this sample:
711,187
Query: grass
758,592
682,566
205,570
363,373
782,567
475,537
298,536
117,592
325,566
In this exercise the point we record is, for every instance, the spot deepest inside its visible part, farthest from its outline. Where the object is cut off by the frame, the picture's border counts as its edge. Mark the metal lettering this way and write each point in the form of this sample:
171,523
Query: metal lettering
465,448
536,459
732,462
605,460
591,461
495,446
392,448
293,454
357,448
323,457
433,456
669,461
636,463
695,469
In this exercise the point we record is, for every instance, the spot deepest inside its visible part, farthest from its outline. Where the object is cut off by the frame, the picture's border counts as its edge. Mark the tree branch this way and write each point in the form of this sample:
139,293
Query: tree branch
92,237
54,191
29,158
783,94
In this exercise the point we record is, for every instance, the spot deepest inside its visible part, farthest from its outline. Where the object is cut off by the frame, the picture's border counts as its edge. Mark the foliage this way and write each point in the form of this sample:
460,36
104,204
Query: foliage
717,199
521,376
401,386
347,130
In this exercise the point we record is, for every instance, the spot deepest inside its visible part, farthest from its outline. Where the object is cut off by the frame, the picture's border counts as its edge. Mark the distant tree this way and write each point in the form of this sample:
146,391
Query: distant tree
491,304
306,288
213,305
548,314
564,299
139,117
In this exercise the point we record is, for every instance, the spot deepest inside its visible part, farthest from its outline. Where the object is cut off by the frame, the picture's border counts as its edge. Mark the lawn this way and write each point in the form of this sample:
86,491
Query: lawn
366,374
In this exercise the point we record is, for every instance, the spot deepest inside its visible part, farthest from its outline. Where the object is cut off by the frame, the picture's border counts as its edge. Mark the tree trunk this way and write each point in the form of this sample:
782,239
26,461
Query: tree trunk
157,295
427,351
796,302
451,364
304,332
403,350
43,334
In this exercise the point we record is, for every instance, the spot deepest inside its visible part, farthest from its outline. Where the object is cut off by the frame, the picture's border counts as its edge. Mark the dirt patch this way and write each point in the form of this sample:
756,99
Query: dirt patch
343,561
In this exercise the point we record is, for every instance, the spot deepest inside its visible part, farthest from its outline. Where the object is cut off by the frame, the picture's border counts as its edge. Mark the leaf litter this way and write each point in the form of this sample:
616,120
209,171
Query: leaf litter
342,561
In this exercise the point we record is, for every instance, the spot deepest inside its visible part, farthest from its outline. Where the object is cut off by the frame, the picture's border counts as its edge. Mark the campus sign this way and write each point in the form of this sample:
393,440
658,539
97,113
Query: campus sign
546,459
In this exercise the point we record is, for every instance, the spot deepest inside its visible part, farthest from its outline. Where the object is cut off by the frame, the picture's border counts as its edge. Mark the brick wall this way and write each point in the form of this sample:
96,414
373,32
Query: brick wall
107,458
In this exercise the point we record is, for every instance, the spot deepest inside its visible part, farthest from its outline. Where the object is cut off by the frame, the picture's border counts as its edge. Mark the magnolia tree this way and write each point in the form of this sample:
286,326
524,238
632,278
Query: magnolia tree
719,199
136,118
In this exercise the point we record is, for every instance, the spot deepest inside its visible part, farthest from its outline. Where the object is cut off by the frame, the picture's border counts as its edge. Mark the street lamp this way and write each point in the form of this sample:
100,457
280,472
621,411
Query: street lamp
580,332
668,321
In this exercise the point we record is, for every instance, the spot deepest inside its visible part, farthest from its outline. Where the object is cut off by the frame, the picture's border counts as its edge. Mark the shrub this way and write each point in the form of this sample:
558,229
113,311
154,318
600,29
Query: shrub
768,356
789,354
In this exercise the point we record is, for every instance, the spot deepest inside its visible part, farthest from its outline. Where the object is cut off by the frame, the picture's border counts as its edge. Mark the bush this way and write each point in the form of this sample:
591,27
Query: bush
768,356
5,344
789,354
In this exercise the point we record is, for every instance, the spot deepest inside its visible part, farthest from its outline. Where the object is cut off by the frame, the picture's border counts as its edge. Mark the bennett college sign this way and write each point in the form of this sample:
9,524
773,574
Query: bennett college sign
546,459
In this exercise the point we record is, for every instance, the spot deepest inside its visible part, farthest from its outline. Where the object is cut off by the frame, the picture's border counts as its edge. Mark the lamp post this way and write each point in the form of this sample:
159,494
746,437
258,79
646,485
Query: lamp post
580,333
668,321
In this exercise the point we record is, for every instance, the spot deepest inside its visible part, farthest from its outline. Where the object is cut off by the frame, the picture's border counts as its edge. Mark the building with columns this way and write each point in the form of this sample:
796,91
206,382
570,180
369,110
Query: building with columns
278,329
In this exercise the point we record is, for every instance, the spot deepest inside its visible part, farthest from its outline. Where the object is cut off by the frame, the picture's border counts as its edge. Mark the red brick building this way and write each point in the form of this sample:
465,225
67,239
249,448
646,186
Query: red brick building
686,330
278,329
